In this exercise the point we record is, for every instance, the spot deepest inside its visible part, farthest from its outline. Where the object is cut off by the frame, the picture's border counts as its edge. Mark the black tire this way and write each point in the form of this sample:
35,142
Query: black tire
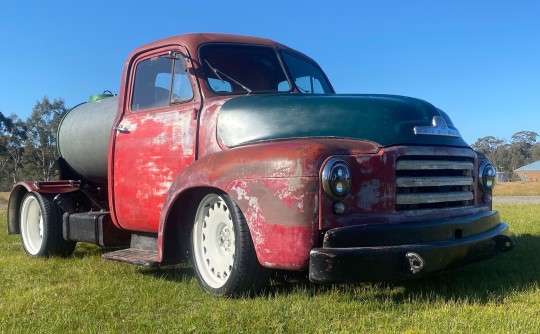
224,263
41,227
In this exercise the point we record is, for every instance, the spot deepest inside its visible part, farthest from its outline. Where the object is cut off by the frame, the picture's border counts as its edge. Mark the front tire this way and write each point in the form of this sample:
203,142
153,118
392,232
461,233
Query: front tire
41,227
222,252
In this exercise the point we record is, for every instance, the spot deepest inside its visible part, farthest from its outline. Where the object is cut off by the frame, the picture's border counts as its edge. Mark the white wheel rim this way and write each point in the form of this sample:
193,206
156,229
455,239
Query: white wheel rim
214,241
31,225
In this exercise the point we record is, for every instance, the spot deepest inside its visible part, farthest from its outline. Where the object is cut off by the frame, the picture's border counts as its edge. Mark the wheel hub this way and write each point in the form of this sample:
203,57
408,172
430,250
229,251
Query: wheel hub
225,239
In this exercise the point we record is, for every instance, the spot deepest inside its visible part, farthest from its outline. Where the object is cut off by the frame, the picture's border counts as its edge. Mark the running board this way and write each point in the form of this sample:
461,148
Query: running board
138,257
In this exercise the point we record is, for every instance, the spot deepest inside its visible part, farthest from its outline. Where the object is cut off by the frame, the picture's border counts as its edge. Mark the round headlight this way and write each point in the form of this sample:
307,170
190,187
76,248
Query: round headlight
487,175
336,178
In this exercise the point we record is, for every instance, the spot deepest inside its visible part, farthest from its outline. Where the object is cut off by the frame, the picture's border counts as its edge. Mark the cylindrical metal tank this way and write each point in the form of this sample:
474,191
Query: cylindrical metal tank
83,138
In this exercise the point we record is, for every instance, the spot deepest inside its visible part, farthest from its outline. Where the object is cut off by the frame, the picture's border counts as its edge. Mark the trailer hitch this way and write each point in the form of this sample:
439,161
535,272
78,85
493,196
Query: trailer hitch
416,262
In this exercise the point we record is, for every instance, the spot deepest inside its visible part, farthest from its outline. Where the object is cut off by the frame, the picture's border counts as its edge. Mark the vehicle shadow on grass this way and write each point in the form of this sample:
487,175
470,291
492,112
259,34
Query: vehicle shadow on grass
490,281
177,273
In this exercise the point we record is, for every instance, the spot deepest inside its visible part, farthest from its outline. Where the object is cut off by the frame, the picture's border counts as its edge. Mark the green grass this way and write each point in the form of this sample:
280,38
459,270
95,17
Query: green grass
85,294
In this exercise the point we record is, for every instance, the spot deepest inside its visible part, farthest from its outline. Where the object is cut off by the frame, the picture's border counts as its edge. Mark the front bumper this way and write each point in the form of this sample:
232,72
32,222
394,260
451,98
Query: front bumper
390,252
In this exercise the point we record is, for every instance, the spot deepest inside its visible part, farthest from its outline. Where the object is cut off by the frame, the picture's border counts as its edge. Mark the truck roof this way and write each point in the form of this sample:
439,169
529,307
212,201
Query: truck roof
193,40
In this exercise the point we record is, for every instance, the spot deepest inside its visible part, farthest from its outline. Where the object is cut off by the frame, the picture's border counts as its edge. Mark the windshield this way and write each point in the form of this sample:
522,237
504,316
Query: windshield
242,69
307,77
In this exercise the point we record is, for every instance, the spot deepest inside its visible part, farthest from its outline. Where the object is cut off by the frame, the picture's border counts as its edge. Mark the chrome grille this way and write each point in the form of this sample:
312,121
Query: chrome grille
433,182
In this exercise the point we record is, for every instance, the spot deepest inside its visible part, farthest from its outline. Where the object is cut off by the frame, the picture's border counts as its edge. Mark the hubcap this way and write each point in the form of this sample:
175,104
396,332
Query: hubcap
213,241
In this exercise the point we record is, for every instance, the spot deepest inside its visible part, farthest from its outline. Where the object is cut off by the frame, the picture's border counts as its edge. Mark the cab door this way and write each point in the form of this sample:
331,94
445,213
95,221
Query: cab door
155,139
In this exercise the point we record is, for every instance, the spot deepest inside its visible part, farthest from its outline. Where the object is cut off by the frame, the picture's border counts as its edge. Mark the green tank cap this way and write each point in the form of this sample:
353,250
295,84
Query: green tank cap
104,95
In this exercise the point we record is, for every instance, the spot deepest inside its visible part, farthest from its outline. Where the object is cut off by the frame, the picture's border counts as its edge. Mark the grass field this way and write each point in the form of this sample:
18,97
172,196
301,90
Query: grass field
85,294
517,189
4,198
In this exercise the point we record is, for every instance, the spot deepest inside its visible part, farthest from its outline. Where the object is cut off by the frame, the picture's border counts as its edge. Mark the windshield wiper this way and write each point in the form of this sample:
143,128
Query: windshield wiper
218,72
302,90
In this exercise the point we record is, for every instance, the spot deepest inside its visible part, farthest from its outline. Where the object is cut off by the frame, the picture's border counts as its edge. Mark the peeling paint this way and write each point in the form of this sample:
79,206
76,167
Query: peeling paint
147,160
272,206
369,195
253,214
128,124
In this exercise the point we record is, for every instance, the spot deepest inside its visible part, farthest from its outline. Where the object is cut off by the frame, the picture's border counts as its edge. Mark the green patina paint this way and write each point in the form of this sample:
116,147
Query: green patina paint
384,119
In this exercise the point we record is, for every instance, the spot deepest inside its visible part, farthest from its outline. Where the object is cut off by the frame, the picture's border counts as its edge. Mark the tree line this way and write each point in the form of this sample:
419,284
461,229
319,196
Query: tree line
28,148
507,156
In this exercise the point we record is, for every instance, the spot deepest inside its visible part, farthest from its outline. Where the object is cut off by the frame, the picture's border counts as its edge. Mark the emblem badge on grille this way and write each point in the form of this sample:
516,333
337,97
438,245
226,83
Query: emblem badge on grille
439,128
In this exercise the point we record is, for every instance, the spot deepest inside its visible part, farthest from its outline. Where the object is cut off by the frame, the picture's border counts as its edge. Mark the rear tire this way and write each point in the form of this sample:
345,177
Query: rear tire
41,227
222,252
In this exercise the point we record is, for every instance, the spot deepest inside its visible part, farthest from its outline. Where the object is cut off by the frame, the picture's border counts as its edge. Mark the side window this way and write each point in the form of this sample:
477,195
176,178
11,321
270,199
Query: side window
181,86
309,84
307,77
160,81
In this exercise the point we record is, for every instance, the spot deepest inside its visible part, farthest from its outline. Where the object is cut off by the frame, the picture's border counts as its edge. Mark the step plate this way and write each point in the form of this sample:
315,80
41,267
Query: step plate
139,257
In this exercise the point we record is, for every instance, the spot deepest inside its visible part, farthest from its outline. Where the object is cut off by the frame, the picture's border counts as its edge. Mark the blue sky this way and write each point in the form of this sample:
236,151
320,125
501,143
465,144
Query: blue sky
477,60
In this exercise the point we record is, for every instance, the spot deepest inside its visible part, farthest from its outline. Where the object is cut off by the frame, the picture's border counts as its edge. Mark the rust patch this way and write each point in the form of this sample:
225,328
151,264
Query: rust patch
279,201
282,218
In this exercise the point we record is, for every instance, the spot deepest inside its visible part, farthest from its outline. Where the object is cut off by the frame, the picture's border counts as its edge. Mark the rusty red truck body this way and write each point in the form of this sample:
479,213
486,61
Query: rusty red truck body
236,153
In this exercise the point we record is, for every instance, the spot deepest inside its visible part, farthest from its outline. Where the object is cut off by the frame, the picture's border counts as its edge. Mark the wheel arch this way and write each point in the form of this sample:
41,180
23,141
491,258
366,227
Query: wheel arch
22,188
174,233
14,205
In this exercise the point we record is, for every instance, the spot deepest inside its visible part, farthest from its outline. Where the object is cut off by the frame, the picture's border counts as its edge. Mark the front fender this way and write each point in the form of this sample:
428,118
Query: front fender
276,187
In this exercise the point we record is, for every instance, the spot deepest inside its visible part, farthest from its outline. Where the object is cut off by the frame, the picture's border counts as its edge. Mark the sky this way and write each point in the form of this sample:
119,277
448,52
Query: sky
479,61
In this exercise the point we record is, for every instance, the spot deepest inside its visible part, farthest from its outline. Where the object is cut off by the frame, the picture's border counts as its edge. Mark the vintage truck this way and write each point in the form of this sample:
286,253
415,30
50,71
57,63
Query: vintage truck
236,153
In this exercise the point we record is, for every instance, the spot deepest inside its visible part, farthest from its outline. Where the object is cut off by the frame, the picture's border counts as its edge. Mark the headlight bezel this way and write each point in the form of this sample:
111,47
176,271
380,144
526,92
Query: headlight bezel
487,176
332,179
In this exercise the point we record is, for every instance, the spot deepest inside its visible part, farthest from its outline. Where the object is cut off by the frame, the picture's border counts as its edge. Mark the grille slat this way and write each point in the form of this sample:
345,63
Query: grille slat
433,165
430,198
432,182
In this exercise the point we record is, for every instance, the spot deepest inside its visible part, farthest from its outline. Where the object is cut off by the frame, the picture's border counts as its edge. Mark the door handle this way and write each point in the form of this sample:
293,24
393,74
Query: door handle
121,129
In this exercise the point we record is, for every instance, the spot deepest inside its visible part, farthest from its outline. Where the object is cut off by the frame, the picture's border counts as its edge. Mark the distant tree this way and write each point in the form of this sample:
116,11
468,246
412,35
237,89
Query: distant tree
495,150
525,137
521,148
40,145
12,138
504,159
535,152
5,130
487,145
